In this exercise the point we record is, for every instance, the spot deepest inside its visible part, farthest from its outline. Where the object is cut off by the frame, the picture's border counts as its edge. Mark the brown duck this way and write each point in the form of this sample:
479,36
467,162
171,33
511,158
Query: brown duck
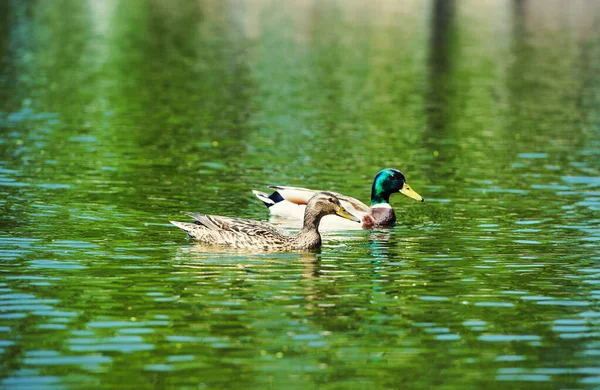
250,234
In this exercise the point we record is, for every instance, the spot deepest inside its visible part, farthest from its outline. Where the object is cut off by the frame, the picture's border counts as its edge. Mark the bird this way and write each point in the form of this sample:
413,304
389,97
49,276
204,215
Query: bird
289,202
251,234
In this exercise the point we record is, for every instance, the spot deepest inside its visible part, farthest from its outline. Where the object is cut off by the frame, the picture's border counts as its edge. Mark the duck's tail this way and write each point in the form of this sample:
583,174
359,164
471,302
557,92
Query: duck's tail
268,200
185,226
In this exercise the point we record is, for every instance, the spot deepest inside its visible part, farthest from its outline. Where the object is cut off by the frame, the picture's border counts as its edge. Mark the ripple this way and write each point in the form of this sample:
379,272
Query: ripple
564,303
4,182
554,187
189,339
510,358
124,324
45,353
19,242
31,382
12,316
136,331
524,378
26,301
579,335
68,360
55,313
441,258
508,337
20,308
158,367
52,326
16,296
73,244
180,358
83,139
54,264
213,165
494,304
447,337
590,181
592,380
53,186
527,242
306,337
590,314
527,230
499,190
123,344
570,328
474,323
532,155
30,277
423,324
433,298
437,330
528,222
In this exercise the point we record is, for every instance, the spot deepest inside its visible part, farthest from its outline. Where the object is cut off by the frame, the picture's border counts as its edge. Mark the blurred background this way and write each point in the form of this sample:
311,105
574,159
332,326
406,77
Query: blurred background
116,116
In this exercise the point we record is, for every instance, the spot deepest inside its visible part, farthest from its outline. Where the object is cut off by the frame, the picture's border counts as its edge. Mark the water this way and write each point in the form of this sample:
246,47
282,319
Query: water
118,116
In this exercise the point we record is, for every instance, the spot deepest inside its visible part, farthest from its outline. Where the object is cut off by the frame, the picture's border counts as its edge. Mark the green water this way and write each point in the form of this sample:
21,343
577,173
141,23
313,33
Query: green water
116,116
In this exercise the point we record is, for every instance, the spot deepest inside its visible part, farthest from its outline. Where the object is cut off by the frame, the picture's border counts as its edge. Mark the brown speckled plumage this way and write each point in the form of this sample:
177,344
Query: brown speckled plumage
246,233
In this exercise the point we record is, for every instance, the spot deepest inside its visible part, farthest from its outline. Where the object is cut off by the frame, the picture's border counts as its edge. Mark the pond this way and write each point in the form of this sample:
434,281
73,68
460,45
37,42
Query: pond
118,116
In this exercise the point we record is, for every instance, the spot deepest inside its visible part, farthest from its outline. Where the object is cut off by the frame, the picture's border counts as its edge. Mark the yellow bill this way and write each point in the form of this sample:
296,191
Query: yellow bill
406,190
342,212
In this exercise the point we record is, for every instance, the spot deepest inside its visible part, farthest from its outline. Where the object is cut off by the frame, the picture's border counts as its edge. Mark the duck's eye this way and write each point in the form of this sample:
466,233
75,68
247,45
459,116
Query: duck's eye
331,200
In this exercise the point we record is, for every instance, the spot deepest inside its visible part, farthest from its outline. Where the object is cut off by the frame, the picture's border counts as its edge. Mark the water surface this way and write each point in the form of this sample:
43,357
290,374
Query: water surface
118,116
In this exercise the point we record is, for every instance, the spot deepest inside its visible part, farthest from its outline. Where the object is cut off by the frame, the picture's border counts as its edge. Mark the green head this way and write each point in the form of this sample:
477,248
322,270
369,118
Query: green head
387,182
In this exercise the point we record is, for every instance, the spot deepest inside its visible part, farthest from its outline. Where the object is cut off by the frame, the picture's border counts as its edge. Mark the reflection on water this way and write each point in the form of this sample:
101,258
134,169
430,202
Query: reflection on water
122,116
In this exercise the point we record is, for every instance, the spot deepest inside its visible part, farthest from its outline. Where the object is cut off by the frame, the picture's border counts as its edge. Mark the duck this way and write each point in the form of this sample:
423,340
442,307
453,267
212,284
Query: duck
251,234
289,202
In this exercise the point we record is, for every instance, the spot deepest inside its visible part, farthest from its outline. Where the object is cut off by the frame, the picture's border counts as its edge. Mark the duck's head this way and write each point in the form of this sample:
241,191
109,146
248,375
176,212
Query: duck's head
325,203
389,181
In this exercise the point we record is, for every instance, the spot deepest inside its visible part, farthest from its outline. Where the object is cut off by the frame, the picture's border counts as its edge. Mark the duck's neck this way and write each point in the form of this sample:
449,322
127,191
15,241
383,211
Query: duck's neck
309,236
378,196
381,210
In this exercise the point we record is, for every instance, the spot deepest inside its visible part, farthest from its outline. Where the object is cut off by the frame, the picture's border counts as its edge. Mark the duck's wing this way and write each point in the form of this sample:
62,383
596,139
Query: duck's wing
238,225
299,195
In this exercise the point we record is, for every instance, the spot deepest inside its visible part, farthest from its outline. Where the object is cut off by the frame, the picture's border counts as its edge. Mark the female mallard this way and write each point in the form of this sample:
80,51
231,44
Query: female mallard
246,233
289,201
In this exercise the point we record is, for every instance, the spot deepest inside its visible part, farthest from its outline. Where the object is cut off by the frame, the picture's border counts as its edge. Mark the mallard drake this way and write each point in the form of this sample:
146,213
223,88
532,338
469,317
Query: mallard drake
289,202
246,233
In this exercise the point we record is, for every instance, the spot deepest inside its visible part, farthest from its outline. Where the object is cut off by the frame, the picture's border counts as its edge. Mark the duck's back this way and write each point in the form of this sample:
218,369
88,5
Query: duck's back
300,196
238,232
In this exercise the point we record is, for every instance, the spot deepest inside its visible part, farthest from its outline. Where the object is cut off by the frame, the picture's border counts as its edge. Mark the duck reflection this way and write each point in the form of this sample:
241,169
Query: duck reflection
379,245
207,257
